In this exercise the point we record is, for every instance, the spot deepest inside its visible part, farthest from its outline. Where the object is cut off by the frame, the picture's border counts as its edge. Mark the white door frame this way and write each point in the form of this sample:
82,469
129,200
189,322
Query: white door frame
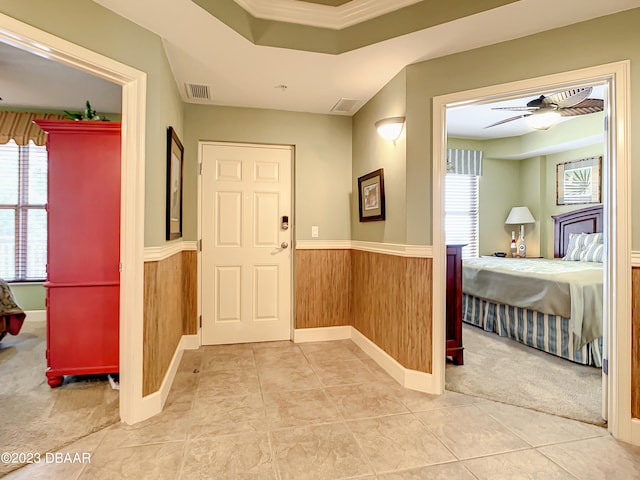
291,225
618,227
133,407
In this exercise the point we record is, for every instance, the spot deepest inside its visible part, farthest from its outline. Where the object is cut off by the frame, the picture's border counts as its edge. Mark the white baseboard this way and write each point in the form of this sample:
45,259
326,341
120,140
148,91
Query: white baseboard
190,342
420,381
36,316
153,403
411,379
323,334
187,342
635,431
382,358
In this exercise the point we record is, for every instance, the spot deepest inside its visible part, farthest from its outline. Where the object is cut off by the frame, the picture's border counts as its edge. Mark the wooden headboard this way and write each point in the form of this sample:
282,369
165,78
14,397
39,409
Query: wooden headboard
585,220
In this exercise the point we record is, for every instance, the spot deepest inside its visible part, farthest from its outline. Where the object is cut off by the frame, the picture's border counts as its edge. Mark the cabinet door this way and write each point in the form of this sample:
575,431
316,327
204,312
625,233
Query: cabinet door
84,208
83,329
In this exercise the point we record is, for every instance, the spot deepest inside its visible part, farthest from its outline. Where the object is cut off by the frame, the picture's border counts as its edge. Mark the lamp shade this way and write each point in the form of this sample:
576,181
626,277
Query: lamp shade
390,128
519,216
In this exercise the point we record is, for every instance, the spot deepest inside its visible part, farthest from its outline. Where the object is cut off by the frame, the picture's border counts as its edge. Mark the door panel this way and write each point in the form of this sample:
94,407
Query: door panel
246,273
229,219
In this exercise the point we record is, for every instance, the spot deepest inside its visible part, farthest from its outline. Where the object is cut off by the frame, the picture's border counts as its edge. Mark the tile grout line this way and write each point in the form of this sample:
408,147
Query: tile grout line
556,463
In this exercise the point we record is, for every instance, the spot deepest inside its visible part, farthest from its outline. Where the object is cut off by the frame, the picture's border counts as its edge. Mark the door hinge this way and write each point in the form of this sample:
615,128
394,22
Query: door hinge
200,245
200,320
605,366
200,168
120,267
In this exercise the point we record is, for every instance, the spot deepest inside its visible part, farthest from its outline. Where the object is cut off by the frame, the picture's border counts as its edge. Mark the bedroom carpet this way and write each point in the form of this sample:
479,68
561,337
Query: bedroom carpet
506,371
37,418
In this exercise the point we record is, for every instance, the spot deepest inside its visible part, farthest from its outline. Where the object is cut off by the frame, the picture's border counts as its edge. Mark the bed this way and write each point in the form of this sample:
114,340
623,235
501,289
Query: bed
554,305
11,315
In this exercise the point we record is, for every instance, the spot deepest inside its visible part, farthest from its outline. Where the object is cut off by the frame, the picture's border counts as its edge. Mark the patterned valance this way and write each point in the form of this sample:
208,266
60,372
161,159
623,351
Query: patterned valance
19,126
464,162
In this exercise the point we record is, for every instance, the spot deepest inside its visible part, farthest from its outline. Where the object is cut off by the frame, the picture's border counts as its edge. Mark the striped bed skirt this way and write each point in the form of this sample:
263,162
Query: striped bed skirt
549,333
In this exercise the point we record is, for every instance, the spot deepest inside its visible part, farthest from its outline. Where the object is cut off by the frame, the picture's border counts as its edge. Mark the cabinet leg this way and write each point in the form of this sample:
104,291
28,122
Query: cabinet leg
458,358
54,380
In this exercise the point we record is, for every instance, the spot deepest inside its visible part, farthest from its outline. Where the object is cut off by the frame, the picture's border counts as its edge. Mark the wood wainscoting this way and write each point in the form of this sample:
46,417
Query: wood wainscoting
169,313
635,342
392,305
386,297
323,288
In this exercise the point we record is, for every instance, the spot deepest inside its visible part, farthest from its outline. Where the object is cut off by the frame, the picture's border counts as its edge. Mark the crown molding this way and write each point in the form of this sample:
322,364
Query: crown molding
323,16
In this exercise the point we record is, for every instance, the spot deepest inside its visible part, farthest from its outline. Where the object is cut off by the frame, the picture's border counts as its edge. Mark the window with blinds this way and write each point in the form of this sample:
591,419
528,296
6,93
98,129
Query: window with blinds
23,215
461,212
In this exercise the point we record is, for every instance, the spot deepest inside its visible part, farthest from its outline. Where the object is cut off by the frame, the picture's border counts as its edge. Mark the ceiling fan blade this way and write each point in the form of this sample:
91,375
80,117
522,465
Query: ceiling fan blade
509,120
517,109
590,105
568,98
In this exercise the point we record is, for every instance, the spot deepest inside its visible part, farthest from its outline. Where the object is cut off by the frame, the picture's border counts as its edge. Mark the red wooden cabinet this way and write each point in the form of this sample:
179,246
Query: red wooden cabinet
83,278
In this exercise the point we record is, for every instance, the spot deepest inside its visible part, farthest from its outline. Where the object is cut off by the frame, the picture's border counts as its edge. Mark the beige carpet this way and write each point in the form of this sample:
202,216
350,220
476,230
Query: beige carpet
36,417
503,370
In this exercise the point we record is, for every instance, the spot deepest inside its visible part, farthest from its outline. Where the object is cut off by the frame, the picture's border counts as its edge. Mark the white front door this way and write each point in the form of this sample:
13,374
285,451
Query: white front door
246,249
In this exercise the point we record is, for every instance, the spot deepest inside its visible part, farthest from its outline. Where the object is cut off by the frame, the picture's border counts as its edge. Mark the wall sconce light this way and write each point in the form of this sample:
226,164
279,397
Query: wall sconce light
390,128
543,121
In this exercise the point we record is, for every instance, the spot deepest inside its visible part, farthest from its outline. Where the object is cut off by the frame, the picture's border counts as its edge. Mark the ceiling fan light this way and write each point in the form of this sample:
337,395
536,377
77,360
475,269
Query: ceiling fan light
543,121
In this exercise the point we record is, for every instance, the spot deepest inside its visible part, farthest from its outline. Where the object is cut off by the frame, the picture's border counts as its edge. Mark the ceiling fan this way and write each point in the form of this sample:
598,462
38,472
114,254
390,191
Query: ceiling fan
568,103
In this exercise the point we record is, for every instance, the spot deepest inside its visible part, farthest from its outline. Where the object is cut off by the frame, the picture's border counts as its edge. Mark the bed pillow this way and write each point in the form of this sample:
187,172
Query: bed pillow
593,253
578,242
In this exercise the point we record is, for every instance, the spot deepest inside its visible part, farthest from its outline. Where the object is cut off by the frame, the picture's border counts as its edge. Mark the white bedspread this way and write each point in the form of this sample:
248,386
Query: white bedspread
568,289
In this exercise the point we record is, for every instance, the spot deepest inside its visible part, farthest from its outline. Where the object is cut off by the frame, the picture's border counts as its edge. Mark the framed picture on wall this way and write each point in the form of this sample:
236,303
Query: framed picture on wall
371,196
579,181
175,159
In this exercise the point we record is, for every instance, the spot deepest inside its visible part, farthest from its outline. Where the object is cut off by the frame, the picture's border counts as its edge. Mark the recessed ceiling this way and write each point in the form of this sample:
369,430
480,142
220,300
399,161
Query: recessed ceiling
332,14
318,28
204,50
330,3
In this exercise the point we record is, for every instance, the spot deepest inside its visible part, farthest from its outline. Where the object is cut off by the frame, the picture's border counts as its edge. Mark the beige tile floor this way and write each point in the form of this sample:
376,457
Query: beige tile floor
326,411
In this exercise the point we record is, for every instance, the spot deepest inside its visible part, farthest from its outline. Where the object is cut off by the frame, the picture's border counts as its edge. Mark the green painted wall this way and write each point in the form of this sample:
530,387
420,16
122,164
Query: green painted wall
29,296
531,187
500,189
412,18
510,183
527,57
322,161
550,188
371,152
96,28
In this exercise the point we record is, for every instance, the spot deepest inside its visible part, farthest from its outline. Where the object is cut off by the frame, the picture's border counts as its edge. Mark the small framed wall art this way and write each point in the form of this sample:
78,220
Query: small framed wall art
371,196
579,181
175,159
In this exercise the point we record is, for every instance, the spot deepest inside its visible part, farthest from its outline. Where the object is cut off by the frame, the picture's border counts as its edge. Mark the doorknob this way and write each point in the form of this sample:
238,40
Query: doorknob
284,245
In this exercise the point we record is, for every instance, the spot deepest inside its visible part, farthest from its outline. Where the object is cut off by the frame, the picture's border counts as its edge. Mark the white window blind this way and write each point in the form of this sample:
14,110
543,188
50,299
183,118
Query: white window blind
461,212
23,217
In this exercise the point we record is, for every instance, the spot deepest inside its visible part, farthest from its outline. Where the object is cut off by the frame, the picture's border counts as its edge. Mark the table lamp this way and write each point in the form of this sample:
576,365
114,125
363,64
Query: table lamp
520,216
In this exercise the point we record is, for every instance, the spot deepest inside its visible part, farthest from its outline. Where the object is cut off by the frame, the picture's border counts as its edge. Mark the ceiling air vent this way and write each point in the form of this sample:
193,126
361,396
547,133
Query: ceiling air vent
345,105
197,91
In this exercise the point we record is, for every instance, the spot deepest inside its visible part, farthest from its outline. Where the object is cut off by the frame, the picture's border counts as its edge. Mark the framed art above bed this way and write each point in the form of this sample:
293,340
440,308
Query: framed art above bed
579,181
